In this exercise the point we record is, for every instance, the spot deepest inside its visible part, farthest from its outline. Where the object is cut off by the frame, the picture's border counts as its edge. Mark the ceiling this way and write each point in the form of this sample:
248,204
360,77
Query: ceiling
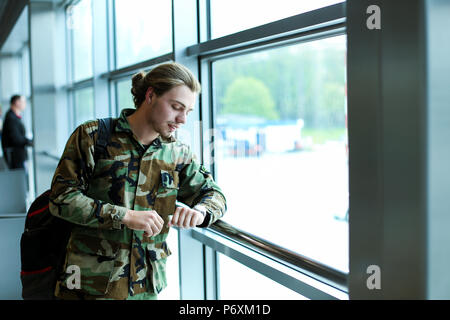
12,34
2,6
14,23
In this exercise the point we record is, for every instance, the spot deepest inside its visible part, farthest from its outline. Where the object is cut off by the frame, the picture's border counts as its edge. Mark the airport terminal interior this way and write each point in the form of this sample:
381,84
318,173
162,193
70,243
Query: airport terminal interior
325,123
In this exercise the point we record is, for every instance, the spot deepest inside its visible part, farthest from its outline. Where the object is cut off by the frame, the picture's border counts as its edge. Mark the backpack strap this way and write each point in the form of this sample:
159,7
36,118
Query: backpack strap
105,129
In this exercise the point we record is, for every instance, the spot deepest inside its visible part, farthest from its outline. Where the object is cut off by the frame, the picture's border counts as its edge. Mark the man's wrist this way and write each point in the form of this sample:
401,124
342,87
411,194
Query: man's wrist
125,217
206,215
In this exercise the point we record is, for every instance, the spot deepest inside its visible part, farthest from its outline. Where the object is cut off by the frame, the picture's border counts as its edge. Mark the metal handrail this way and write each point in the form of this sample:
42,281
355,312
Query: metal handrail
48,155
315,269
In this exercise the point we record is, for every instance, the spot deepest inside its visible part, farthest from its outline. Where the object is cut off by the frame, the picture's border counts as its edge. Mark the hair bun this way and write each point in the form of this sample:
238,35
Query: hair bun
138,88
136,81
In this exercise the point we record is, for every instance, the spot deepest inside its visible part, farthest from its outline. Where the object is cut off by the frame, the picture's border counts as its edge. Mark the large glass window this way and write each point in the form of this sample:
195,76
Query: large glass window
79,23
251,13
143,30
281,146
83,105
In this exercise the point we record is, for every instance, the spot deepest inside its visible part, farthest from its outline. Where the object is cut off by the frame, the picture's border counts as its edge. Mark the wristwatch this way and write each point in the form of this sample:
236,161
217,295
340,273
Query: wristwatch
206,215
201,209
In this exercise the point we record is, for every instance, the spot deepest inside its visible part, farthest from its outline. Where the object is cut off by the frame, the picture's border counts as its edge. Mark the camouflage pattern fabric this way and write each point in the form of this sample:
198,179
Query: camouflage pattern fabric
115,261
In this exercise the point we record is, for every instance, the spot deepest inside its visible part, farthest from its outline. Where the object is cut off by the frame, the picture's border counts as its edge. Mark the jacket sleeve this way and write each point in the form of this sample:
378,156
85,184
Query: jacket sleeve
68,198
197,187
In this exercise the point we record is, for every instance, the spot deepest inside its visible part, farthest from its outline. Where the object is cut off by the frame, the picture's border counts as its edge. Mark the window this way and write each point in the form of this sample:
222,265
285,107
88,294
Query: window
79,23
124,97
143,30
280,151
251,13
83,105
249,285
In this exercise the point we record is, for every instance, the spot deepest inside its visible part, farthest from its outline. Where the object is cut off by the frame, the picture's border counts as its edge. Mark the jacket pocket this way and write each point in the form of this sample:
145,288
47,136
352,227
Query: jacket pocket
158,258
167,193
89,264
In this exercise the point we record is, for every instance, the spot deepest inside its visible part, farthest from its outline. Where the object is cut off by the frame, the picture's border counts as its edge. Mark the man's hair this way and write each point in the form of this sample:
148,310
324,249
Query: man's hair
14,98
162,78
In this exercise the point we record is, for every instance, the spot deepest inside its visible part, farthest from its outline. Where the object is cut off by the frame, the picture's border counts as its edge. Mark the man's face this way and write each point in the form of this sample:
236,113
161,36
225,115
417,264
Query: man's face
168,112
21,103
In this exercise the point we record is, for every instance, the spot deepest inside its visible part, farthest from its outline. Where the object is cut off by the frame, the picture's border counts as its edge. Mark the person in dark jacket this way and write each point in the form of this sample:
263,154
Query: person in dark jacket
14,141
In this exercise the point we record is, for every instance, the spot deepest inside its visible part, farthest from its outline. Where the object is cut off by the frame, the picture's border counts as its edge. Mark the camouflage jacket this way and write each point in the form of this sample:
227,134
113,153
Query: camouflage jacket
115,261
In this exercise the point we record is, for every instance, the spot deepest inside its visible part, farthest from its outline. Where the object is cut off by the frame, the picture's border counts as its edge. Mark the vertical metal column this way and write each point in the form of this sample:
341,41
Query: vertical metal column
387,147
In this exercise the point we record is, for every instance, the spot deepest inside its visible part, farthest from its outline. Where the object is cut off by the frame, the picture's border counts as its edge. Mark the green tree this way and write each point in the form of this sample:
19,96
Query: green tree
304,81
249,96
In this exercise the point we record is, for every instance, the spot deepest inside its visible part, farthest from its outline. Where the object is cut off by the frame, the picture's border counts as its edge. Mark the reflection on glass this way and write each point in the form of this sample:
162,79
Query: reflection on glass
79,21
281,146
238,282
251,13
143,30
124,97
84,105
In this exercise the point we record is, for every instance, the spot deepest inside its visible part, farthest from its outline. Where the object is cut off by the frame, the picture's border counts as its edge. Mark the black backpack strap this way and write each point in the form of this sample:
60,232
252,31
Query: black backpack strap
105,130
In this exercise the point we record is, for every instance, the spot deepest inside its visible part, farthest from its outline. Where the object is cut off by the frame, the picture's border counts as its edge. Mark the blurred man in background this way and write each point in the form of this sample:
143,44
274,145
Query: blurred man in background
14,141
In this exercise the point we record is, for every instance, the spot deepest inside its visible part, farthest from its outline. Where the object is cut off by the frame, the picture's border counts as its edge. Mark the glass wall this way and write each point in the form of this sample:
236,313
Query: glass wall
83,105
143,30
79,23
124,96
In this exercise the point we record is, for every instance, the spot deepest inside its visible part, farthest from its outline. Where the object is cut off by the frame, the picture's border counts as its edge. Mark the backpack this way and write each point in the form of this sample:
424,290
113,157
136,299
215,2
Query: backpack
44,240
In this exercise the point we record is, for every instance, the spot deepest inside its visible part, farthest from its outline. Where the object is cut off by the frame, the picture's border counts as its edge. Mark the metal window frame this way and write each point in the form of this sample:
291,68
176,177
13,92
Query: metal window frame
312,22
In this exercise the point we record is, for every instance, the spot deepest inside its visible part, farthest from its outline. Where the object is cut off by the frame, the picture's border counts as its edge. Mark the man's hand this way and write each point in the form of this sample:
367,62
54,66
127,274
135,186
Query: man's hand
148,221
186,218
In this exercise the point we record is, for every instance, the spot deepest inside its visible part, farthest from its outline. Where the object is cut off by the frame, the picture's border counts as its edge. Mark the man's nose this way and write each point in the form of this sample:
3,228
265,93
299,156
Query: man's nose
181,118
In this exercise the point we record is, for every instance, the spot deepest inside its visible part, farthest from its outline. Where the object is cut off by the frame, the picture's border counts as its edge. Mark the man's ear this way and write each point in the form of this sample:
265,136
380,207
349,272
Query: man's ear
149,94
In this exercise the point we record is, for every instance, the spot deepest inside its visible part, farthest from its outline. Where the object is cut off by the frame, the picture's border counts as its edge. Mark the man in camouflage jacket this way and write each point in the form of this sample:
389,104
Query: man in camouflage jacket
116,261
